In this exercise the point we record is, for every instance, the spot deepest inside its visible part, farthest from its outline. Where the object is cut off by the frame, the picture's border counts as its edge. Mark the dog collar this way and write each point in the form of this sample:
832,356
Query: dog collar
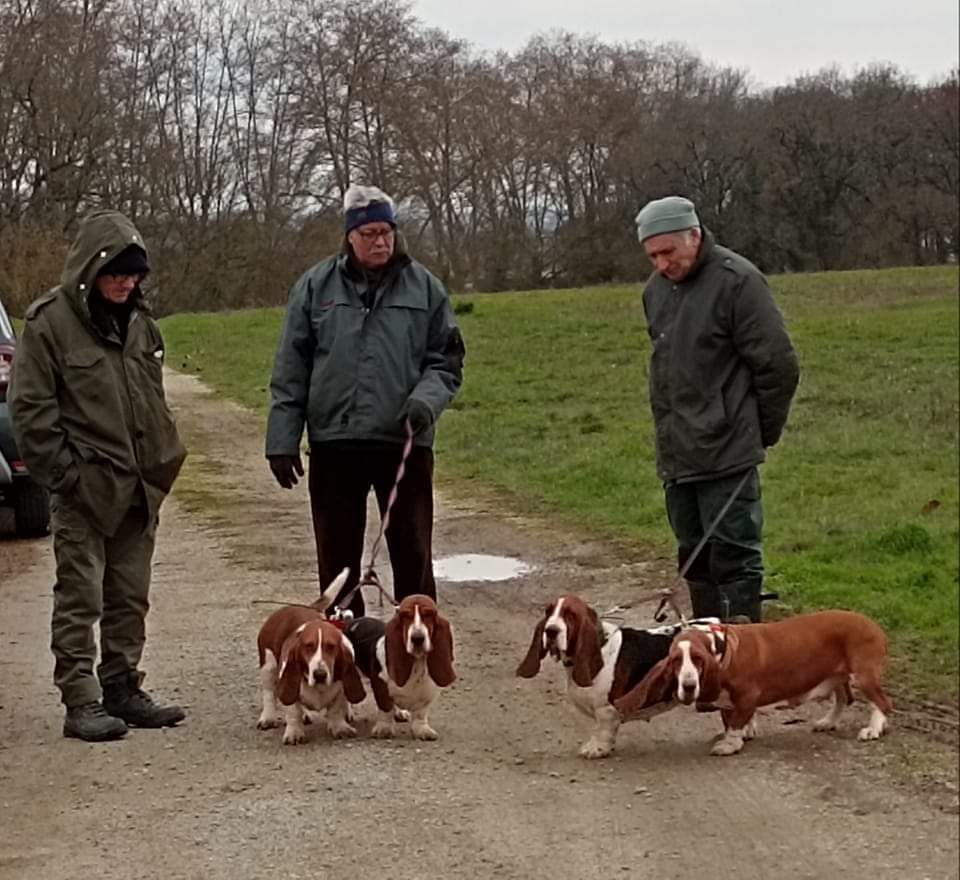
719,634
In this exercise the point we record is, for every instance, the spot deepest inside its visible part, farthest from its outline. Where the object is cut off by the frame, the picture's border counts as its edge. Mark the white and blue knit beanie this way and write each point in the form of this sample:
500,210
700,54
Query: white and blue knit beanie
367,204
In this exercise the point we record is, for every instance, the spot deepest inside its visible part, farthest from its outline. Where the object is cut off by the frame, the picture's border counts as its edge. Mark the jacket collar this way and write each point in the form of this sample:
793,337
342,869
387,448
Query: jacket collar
707,245
355,272
370,286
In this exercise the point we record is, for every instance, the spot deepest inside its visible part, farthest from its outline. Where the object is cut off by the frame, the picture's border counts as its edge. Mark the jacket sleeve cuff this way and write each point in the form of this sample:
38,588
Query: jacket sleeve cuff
64,480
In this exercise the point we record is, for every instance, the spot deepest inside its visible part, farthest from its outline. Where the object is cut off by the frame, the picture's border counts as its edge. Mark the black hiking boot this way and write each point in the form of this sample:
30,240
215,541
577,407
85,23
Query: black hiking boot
123,698
704,599
91,723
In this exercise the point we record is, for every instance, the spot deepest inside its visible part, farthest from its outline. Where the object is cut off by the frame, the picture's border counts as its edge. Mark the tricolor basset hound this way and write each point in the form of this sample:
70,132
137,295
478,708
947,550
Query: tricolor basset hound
603,662
810,656
307,663
405,660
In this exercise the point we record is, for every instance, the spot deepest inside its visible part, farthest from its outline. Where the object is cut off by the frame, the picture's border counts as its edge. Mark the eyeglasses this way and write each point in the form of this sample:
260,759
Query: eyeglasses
371,235
123,276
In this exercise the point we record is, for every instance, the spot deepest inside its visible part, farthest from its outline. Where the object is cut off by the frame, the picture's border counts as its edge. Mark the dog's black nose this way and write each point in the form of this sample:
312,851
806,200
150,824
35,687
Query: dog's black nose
319,677
418,639
552,631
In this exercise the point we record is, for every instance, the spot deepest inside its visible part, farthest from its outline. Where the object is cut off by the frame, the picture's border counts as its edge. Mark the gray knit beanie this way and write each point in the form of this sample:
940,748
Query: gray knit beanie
672,214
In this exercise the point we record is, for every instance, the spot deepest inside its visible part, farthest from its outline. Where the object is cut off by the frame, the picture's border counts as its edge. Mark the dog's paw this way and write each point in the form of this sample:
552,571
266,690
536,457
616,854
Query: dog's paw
382,730
422,730
401,715
268,722
869,732
342,730
751,730
293,736
729,745
824,724
593,749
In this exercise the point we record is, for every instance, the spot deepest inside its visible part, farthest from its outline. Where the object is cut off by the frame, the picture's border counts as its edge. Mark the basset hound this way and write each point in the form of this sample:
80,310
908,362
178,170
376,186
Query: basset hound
603,662
406,660
307,664
810,656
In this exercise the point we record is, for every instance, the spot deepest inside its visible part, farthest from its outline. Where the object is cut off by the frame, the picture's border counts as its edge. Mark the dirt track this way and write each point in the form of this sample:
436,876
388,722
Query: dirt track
502,793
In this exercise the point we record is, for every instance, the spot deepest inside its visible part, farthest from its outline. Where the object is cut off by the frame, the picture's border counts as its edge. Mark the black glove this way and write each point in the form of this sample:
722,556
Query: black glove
286,469
419,413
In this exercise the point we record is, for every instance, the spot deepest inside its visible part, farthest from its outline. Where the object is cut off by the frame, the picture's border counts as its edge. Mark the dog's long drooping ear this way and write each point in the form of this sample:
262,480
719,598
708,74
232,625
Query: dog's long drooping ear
530,665
345,671
291,670
587,659
655,687
440,658
399,662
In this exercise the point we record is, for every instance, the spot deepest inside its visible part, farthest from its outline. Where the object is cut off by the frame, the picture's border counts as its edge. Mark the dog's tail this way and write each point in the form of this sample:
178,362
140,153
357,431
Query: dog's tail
328,596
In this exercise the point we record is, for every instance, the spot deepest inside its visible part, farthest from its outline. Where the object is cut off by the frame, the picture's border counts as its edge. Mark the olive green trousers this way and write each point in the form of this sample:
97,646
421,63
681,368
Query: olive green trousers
101,580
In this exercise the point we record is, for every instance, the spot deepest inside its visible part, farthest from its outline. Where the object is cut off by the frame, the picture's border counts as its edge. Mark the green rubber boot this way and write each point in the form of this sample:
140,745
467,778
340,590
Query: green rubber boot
741,601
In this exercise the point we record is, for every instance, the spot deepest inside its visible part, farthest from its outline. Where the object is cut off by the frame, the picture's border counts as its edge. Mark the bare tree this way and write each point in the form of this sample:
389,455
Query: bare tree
230,129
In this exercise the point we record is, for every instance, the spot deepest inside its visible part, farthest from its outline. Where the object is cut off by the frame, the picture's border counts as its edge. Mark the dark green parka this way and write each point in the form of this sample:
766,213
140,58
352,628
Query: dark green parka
722,371
350,355
89,412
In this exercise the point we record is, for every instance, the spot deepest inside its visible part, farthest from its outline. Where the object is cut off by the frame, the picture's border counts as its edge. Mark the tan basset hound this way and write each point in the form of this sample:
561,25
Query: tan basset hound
603,662
307,663
810,656
406,661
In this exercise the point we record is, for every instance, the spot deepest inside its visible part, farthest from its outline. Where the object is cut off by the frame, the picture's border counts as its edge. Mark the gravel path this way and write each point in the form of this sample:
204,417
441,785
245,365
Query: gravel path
502,793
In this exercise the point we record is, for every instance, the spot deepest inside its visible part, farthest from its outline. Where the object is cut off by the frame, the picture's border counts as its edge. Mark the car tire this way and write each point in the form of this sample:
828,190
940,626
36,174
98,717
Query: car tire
31,510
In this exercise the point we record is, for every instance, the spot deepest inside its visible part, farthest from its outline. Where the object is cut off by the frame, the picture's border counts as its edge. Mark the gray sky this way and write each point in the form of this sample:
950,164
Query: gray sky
776,41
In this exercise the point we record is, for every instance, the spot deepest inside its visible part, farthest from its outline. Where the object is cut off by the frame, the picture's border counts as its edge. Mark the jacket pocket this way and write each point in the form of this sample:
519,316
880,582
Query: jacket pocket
405,332
161,450
715,422
69,523
333,316
148,363
83,372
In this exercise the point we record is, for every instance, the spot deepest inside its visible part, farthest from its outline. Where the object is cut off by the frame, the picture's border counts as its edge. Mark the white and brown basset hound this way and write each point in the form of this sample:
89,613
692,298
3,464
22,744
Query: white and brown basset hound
406,661
603,662
306,663
810,656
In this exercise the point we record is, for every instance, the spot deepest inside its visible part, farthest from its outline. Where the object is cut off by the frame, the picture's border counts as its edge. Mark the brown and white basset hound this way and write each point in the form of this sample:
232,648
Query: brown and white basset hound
602,661
810,656
307,663
406,660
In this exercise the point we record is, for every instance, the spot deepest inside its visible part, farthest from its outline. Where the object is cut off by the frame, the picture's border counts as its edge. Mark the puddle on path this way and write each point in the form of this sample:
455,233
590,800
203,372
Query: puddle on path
477,567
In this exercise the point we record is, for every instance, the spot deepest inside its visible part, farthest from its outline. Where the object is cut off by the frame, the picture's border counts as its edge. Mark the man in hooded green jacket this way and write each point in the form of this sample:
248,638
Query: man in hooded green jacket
93,427
723,373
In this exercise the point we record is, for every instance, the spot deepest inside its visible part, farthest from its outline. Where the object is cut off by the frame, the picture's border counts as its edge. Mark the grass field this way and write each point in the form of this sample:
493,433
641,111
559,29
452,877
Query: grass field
861,495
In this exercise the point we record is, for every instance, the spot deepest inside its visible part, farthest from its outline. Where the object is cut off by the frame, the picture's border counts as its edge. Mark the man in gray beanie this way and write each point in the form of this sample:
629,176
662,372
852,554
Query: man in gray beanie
370,347
723,373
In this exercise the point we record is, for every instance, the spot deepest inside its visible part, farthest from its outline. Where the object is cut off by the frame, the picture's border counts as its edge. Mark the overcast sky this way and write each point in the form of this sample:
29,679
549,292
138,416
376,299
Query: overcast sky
775,40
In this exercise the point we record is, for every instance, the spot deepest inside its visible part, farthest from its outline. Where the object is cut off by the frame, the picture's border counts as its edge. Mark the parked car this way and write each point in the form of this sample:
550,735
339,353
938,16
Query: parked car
29,500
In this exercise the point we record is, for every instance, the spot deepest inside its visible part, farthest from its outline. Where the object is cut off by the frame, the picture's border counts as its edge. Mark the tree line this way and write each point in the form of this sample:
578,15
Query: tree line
229,132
